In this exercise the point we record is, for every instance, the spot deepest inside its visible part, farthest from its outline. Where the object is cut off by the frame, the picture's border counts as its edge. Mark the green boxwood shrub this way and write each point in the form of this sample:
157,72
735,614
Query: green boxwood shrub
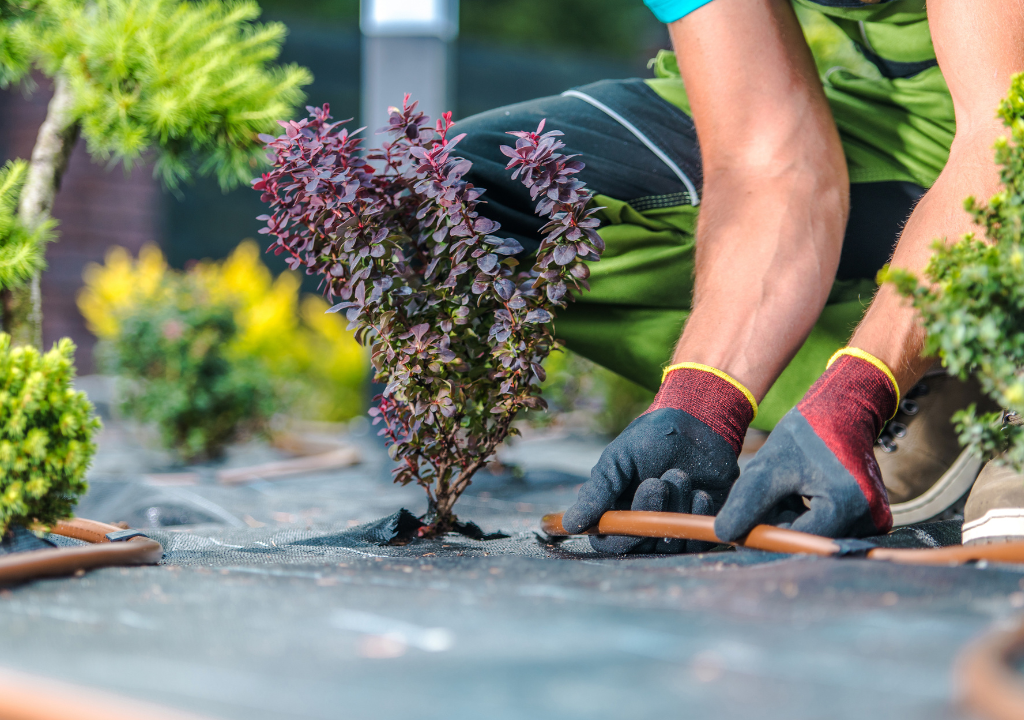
46,434
171,357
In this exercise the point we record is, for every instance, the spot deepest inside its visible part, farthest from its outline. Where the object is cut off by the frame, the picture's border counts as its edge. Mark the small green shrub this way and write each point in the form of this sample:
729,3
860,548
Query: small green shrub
315,365
46,431
972,304
171,357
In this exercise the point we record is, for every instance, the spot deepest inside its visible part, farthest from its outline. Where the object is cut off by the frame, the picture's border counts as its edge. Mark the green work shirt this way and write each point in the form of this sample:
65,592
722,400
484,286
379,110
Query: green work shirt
898,127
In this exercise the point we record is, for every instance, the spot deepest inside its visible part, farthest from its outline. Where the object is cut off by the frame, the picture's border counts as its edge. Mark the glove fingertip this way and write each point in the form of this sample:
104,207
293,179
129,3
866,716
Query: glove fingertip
622,545
653,494
675,475
578,518
728,527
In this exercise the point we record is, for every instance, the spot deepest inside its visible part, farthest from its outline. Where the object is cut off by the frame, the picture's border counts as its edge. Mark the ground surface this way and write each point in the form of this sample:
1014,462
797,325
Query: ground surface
268,605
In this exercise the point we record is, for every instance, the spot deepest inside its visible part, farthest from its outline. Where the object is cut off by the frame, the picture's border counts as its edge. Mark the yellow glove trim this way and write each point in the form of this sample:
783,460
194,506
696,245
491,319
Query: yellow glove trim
714,371
868,357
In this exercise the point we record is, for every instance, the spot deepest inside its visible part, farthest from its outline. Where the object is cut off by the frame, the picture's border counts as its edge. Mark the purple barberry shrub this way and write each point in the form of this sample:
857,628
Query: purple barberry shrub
457,328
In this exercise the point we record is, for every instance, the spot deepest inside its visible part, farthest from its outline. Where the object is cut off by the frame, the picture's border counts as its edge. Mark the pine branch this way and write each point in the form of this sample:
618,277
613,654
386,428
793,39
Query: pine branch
22,304
21,251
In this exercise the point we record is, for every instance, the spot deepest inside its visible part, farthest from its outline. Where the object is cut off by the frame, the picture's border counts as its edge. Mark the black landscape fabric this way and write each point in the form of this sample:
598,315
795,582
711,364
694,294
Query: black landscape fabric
310,597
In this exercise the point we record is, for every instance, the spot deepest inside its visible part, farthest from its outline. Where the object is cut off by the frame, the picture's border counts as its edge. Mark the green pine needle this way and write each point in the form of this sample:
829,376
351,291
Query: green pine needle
21,251
192,82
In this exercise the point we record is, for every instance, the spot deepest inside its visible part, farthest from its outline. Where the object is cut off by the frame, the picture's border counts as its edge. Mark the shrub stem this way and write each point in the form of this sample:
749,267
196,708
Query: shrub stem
23,306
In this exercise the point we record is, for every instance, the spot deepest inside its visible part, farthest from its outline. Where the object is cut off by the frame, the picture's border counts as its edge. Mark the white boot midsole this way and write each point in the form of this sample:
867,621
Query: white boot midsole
949,488
996,523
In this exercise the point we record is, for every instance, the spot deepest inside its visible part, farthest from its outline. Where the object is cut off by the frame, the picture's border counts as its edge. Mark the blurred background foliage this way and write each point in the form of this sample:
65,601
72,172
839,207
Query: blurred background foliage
606,27
21,249
585,398
312,364
174,359
188,84
508,51
504,55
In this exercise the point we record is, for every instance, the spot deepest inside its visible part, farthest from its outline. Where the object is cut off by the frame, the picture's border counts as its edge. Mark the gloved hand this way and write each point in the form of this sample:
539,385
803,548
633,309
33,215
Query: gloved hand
822,450
679,456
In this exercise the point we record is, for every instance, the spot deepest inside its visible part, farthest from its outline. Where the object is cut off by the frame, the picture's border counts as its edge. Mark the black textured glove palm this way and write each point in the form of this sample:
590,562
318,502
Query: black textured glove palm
679,456
822,450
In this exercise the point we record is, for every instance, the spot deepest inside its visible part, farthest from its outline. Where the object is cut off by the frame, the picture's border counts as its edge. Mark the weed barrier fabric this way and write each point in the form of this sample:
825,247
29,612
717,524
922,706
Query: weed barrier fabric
309,616
395,536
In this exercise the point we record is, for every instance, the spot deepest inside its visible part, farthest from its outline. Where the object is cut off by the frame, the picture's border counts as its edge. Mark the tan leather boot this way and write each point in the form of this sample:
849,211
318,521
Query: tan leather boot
923,466
995,507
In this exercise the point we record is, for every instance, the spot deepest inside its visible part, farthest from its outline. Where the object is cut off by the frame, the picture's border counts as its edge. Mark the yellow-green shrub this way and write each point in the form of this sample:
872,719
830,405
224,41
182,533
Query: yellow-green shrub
317,366
46,434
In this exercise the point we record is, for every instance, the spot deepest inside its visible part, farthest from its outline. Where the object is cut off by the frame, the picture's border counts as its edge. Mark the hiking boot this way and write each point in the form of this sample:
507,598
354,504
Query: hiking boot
923,467
995,507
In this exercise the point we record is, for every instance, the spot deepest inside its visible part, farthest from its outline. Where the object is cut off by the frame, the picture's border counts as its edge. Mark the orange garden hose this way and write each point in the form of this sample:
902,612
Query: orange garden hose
29,697
102,551
680,526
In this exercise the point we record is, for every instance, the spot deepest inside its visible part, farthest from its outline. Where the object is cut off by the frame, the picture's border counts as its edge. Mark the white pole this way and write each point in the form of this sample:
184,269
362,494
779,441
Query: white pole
407,48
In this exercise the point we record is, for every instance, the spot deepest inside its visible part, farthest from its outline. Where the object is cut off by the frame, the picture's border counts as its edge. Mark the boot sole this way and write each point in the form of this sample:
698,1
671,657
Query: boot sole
997,525
953,485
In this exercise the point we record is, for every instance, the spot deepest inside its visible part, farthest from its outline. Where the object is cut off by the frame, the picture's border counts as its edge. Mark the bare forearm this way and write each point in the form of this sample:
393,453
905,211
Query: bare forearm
767,253
978,48
775,196
890,330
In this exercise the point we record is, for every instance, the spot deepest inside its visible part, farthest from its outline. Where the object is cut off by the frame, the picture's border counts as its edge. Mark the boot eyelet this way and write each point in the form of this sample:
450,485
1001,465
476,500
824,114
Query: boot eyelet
918,390
887,444
898,429
909,407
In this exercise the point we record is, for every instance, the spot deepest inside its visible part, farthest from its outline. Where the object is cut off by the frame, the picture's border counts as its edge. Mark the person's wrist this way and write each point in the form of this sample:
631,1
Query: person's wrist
711,396
854,377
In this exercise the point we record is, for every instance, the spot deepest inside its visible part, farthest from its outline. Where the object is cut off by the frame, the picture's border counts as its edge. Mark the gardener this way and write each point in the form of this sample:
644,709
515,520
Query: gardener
762,244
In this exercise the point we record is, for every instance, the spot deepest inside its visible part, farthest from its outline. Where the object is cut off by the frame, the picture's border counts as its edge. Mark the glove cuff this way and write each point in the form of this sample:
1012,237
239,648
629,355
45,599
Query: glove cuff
719,401
869,358
847,408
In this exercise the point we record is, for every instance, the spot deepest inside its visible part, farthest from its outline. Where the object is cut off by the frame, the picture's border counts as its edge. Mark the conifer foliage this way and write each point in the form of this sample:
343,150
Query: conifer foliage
972,300
456,328
191,82
46,431
21,251
17,36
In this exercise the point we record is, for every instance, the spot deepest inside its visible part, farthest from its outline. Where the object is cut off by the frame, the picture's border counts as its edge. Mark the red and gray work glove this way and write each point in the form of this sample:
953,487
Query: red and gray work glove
679,456
822,450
